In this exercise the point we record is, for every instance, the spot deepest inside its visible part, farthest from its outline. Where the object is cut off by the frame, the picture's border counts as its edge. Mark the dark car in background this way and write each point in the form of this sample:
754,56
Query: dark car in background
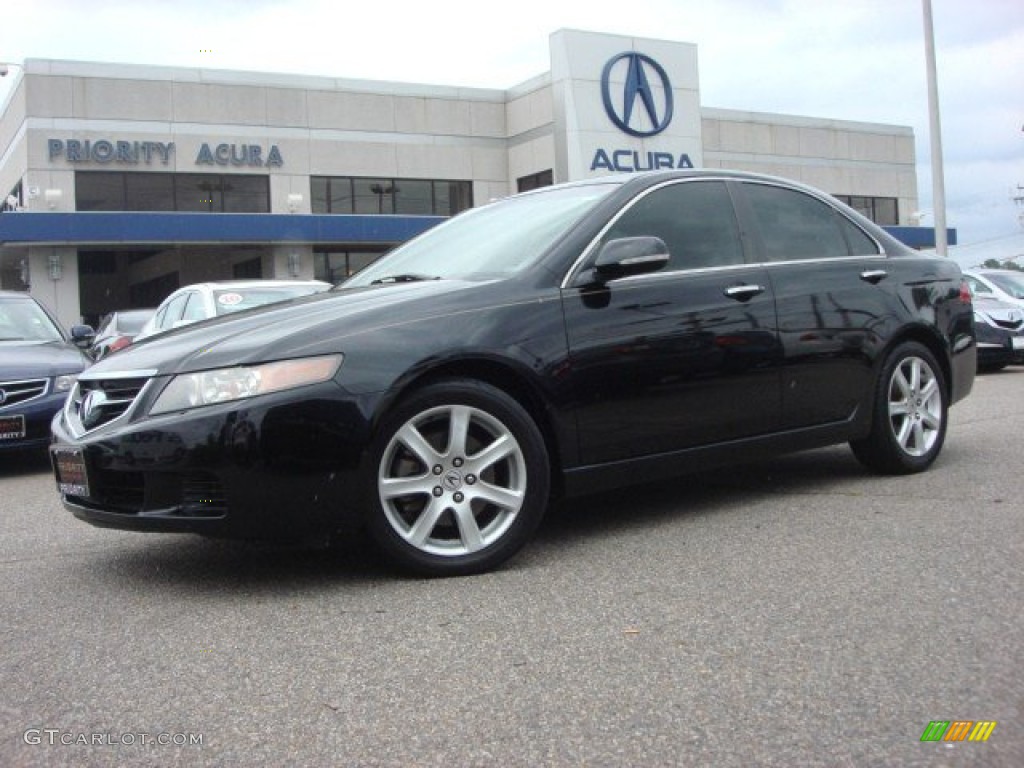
38,367
999,328
117,330
558,342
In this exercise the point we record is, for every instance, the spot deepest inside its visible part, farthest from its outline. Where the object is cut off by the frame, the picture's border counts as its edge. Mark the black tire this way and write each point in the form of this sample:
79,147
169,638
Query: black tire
438,510
909,413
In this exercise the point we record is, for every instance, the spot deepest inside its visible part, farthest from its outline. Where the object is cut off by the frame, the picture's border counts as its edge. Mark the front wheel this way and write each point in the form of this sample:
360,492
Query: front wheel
458,478
908,425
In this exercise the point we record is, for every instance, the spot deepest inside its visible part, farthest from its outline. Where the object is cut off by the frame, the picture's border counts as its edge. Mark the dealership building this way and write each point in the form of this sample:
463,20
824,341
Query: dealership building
119,183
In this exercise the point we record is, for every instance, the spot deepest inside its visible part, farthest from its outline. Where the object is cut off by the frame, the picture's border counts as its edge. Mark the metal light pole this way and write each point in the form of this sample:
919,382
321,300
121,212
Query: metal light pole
935,135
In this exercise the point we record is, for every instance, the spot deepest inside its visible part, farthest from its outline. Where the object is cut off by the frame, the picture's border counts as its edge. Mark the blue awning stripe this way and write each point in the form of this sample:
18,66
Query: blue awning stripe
89,228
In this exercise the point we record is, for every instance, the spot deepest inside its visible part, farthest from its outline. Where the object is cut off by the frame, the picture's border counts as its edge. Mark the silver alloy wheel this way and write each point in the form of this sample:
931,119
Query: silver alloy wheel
452,480
915,406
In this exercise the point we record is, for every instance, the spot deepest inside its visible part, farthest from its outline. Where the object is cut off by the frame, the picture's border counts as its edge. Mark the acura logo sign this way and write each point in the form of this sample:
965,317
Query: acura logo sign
92,407
620,100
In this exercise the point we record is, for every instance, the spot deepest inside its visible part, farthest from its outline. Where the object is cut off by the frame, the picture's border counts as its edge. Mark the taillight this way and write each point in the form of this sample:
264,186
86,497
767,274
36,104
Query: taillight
119,343
965,292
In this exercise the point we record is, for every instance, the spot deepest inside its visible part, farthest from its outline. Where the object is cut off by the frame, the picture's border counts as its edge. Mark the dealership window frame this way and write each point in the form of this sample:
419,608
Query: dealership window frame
375,195
884,211
139,191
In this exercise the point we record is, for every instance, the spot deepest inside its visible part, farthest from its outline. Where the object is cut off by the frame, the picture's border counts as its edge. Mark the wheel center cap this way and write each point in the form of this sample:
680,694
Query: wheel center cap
452,480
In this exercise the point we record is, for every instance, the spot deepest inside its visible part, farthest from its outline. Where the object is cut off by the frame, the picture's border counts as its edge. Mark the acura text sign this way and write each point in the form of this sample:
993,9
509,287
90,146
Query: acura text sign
640,103
113,151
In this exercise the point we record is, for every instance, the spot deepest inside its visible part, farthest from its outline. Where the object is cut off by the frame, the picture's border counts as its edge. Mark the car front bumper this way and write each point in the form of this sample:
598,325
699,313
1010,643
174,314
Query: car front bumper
274,467
37,415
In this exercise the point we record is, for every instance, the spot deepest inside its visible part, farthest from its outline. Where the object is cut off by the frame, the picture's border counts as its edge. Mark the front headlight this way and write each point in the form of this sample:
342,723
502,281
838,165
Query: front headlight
194,390
65,382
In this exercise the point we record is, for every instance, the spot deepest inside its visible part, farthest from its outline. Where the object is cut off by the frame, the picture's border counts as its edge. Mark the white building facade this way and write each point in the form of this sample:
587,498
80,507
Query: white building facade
124,182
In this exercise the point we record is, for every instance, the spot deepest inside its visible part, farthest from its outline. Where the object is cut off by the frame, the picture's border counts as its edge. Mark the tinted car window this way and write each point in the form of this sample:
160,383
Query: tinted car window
794,225
696,220
860,244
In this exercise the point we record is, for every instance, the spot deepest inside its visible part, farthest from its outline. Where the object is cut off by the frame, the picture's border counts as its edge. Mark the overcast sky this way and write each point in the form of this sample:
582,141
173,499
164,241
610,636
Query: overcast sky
846,59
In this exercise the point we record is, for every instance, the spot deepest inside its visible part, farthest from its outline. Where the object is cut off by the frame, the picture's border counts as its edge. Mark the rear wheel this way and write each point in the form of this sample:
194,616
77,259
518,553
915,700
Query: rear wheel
459,479
909,420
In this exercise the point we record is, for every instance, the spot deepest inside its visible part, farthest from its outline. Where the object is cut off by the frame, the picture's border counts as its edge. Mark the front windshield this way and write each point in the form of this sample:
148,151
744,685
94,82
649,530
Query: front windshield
1012,284
495,240
22,320
236,299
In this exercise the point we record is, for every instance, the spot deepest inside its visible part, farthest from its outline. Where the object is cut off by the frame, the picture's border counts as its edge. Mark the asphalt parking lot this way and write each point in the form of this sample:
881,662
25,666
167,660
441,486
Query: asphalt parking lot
800,612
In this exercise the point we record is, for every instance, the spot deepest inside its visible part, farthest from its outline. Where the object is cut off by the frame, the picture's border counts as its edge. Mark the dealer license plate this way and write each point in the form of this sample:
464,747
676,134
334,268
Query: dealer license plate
1018,342
69,468
12,427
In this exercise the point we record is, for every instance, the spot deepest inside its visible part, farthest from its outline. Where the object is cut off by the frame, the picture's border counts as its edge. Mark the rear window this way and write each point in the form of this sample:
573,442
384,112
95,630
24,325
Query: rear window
235,300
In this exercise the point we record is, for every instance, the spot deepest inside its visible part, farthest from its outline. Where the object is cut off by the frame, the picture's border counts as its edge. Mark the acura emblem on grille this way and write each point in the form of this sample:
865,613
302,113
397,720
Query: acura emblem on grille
91,406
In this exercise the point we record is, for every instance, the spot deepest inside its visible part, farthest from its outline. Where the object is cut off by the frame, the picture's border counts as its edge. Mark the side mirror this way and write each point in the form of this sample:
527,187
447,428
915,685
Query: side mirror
82,335
627,256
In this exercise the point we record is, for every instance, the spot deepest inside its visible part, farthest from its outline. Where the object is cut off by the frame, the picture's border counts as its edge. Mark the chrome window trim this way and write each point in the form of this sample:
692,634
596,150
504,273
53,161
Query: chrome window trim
575,268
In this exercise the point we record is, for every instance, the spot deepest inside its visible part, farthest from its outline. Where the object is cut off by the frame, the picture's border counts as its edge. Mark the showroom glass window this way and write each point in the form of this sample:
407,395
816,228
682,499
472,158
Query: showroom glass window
337,266
797,226
881,210
196,192
695,219
410,197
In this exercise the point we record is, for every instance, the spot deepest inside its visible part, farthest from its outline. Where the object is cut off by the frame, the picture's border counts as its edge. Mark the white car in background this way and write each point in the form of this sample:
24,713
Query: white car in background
1006,285
201,301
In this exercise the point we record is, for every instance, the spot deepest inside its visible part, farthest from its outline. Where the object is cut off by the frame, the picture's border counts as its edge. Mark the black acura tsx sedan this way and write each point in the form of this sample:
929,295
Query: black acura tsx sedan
561,341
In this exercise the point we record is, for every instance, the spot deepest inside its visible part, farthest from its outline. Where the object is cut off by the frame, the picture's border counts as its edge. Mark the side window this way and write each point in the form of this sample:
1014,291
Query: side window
794,225
977,287
194,309
695,219
173,312
860,244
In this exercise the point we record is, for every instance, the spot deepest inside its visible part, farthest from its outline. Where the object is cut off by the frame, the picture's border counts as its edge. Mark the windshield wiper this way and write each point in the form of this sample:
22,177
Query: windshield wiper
407,278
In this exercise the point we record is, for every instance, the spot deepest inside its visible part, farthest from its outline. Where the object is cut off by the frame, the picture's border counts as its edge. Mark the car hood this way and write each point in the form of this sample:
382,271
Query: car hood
38,359
310,325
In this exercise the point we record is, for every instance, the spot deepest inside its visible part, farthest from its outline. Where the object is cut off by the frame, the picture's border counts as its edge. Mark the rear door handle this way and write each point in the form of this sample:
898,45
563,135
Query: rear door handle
744,292
874,276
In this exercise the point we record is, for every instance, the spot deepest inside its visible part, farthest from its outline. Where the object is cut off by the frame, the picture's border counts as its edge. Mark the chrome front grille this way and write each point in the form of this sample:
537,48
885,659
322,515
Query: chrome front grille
18,392
96,402
1010,325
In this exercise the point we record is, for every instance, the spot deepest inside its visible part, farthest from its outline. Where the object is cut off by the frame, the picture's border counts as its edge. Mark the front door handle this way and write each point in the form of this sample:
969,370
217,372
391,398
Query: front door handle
874,276
744,292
